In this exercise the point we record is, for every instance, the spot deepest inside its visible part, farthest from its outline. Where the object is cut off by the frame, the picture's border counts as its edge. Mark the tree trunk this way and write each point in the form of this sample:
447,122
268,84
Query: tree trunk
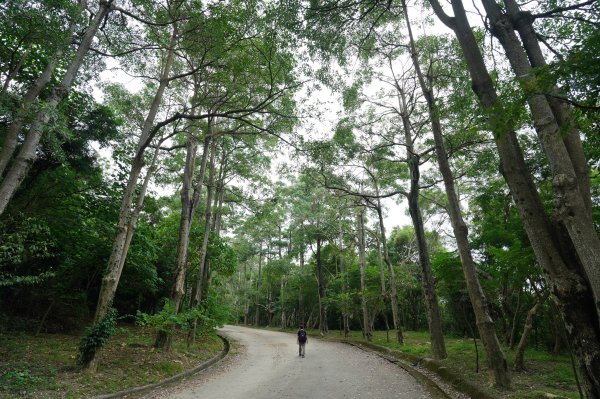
434,317
110,280
345,317
519,364
498,368
301,310
321,283
202,272
185,225
360,229
12,132
27,154
391,275
257,317
523,22
572,201
570,287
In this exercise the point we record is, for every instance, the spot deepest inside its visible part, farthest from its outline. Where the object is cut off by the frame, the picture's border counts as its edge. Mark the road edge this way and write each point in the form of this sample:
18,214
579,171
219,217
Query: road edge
175,378
410,363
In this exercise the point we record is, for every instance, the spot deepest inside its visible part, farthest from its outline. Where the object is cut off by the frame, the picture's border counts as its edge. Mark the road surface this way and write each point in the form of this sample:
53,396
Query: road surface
266,365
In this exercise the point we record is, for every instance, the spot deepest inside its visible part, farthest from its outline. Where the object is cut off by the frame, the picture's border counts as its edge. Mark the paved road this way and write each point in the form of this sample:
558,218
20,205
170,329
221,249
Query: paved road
267,366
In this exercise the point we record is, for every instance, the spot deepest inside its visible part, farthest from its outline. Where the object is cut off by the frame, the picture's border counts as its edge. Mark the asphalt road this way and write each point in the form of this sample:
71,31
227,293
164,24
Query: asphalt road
266,365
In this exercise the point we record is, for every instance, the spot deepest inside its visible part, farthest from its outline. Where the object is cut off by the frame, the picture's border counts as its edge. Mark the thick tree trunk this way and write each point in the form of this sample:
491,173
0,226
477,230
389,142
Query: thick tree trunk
434,317
498,368
360,230
572,202
523,22
519,364
570,287
27,153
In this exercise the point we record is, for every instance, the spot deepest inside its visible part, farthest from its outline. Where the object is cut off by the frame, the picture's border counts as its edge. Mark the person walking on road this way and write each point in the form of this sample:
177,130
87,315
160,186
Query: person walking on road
302,340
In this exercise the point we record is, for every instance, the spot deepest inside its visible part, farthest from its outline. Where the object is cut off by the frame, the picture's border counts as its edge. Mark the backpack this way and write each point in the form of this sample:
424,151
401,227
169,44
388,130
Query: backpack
302,336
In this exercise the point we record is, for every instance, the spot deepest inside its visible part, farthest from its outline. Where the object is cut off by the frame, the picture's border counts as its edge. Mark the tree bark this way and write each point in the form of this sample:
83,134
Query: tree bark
27,153
571,208
360,229
110,280
185,224
434,317
498,368
523,22
301,310
202,272
519,364
321,283
570,287
391,275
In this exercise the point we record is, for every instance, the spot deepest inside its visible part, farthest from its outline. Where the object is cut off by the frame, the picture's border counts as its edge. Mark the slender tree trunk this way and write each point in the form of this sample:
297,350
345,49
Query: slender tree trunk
301,310
321,283
185,225
519,364
391,274
345,317
202,272
111,277
27,153
12,132
383,293
14,71
258,281
571,290
360,229
434,317
498,368
513,330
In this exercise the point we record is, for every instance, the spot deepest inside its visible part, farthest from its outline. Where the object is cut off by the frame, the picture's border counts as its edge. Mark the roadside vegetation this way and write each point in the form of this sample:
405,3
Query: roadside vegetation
545,373
44,366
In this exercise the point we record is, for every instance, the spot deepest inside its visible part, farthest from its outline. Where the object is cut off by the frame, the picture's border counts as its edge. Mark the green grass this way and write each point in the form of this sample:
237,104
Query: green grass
44,366
545,373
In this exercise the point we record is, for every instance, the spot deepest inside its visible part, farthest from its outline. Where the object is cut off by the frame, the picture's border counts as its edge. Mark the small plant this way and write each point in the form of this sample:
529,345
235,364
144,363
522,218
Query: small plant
18,380
166,320
96,336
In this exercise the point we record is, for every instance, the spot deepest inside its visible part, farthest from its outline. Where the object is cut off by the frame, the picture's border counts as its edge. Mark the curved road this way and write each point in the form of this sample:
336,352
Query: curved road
267,366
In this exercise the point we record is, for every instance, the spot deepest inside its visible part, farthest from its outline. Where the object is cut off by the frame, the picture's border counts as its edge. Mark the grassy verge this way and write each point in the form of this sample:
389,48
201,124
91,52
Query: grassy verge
545,374
44,366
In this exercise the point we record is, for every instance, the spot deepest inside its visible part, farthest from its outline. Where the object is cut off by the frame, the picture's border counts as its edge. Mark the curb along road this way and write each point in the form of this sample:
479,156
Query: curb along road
411,363
175,378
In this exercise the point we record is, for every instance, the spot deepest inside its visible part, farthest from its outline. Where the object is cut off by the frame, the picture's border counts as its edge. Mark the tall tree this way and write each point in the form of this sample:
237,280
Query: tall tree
569,279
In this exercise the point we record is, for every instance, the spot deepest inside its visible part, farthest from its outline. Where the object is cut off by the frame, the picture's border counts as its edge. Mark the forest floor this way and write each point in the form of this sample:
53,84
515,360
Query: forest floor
44,366
545,374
